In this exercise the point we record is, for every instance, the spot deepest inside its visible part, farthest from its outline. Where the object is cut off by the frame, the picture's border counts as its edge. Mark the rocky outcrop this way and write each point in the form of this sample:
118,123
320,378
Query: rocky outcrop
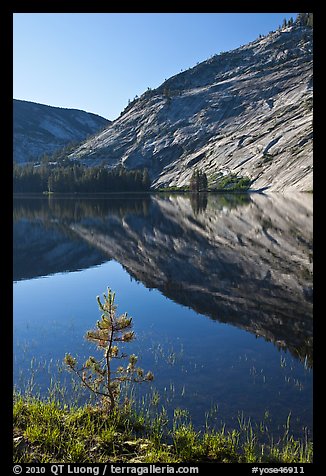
245,112
41,129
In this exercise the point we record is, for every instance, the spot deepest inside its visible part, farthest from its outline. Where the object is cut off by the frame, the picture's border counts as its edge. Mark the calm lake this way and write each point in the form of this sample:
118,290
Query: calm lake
220,291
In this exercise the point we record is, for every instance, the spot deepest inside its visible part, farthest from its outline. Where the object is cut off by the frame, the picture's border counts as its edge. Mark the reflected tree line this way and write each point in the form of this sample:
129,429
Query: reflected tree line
199,201
139,204
78,209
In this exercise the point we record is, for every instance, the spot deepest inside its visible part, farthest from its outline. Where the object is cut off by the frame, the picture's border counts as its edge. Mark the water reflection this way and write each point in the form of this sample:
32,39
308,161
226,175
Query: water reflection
240,259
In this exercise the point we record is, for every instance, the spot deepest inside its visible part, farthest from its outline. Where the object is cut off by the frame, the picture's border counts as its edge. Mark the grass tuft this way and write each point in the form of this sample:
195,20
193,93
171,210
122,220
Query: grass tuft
48,431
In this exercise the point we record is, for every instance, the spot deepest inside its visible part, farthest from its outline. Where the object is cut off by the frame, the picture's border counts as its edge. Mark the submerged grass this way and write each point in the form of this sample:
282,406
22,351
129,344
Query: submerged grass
48,430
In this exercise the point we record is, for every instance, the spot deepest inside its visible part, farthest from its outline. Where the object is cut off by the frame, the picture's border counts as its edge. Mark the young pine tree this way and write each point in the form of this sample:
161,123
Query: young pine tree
198,182
98,375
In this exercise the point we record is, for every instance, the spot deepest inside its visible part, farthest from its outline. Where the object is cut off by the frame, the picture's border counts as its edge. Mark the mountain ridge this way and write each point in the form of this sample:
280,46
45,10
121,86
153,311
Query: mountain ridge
246,112
40,129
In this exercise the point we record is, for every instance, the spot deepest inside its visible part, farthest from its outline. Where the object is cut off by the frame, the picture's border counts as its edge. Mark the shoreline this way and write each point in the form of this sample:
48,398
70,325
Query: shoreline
147,193
46,431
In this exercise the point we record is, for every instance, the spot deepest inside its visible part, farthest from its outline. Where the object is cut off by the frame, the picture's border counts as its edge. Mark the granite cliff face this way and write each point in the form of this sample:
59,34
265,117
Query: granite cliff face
41,129
247,112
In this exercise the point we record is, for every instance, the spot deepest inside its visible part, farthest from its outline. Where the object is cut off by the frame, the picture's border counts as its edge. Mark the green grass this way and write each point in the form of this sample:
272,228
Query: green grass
229,183
49,431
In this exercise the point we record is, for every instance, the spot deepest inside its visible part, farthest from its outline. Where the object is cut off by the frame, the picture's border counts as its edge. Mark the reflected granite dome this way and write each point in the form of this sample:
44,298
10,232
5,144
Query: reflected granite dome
242,260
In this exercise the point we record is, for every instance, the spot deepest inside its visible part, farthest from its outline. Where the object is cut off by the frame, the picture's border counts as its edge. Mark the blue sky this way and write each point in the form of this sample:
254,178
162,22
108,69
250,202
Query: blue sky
97,61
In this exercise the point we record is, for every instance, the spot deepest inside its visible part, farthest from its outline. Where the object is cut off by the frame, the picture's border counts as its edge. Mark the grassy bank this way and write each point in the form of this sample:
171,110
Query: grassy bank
46,431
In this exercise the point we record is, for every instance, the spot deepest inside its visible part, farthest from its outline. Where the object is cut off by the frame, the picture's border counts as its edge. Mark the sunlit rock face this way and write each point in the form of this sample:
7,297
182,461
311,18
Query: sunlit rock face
40,129
246,112
245,260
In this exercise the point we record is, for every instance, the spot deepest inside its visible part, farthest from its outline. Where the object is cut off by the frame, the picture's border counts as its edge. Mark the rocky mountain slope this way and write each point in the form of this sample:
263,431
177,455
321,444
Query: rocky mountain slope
246,112
41,129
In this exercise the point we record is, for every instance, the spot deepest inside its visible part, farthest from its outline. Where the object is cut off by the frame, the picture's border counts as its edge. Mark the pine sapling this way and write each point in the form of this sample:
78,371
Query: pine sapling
98,375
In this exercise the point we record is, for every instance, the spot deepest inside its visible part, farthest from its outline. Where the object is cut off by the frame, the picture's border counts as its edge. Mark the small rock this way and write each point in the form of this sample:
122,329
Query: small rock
20,443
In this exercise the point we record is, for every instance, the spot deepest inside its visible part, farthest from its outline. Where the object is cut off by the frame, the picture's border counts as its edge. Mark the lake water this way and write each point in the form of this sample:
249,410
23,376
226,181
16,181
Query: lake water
220,291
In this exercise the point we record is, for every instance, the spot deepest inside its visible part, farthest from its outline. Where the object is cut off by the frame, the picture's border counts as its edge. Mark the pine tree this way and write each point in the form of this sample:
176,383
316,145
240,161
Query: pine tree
99,376
198,181
203,182
167,93
146,180
50,184
305,19
309,21
194,182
